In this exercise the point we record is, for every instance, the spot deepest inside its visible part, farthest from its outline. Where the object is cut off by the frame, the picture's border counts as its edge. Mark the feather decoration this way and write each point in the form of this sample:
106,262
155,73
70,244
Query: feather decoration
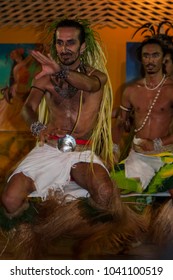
160,31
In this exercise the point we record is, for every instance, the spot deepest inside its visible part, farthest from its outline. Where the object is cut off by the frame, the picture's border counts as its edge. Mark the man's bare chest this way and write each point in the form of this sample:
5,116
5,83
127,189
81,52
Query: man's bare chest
156,101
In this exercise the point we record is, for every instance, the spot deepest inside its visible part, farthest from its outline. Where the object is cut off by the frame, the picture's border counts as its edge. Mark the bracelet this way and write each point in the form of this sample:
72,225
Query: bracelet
36,127
158,144
62,74
116,148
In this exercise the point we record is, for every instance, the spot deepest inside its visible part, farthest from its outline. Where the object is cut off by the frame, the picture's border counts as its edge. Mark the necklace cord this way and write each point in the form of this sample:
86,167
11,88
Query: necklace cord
159,84
152,104
79,112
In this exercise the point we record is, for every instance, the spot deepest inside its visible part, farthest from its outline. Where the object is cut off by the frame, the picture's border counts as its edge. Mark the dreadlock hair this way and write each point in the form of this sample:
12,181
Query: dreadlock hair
160,31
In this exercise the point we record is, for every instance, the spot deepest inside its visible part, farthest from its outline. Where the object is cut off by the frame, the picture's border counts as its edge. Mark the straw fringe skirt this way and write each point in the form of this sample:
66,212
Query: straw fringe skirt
97,232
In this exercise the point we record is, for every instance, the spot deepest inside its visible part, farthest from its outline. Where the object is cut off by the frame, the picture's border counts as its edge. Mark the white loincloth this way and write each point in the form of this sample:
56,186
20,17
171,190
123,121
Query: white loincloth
142,167
50,168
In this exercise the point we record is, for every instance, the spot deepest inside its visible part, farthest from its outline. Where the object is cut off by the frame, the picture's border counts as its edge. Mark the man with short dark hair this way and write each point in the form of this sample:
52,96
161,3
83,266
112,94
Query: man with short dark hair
147,169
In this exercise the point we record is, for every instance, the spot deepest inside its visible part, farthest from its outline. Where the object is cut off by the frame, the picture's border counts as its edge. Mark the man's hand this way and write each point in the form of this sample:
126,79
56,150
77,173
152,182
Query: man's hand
49,66
143,145
45,134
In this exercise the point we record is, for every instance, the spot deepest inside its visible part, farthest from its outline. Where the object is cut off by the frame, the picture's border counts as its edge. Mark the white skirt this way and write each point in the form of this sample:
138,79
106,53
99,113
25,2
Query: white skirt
50,169
142,166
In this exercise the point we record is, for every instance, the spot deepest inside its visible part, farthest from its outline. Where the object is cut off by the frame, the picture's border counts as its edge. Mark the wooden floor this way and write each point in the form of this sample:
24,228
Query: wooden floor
13,147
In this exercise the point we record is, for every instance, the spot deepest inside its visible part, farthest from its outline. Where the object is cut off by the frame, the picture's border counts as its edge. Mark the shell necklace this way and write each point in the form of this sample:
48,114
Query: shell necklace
153,103
159,84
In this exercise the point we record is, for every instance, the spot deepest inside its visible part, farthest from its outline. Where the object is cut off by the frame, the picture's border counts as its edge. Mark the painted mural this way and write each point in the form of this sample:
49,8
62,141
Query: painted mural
132,64
17,70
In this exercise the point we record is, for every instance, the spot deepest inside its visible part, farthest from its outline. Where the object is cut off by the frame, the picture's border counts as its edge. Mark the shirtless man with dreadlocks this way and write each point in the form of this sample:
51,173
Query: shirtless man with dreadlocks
74,94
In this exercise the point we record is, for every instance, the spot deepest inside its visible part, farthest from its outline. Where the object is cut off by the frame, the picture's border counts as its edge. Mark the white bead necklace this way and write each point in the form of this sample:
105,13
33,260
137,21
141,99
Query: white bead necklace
159,84
152,105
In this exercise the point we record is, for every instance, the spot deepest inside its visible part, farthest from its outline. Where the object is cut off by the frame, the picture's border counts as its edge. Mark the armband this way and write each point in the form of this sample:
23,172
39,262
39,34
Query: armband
36,127
124,108
43,91
158,144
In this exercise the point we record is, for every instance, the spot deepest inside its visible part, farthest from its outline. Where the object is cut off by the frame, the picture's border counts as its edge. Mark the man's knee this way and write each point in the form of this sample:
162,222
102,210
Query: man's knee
105,190
10,201
16,192
102,190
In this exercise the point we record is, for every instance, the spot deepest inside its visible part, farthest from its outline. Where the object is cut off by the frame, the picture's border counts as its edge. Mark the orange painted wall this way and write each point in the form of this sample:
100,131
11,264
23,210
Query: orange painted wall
114,39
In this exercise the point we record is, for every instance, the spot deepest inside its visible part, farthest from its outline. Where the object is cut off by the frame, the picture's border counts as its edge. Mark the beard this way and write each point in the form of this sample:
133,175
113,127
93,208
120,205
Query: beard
68,58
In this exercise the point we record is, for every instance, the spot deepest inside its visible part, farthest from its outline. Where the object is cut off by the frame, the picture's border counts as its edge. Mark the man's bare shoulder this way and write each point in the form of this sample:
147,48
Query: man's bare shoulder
134,85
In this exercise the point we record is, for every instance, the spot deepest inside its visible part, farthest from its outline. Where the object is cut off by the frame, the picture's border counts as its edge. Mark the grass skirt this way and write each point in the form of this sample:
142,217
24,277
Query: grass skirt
98,232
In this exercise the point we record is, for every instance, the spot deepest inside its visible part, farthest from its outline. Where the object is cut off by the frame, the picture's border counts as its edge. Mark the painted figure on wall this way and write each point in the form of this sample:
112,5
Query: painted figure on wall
14,95
15,83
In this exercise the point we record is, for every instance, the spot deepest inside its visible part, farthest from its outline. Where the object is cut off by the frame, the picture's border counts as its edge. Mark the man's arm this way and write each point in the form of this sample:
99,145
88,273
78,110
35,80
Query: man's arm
30,111
30,108
157,144
90,83
122,124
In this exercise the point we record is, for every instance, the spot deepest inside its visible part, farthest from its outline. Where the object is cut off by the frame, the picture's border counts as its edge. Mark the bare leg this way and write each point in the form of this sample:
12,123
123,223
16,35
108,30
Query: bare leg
14,196
96,181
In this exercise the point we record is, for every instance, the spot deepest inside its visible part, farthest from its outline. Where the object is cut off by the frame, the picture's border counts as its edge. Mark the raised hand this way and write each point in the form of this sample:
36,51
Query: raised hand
49,66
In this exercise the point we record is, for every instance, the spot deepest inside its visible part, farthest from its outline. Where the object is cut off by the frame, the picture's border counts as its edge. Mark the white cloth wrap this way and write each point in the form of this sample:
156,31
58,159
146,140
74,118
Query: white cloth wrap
50,168
142,166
